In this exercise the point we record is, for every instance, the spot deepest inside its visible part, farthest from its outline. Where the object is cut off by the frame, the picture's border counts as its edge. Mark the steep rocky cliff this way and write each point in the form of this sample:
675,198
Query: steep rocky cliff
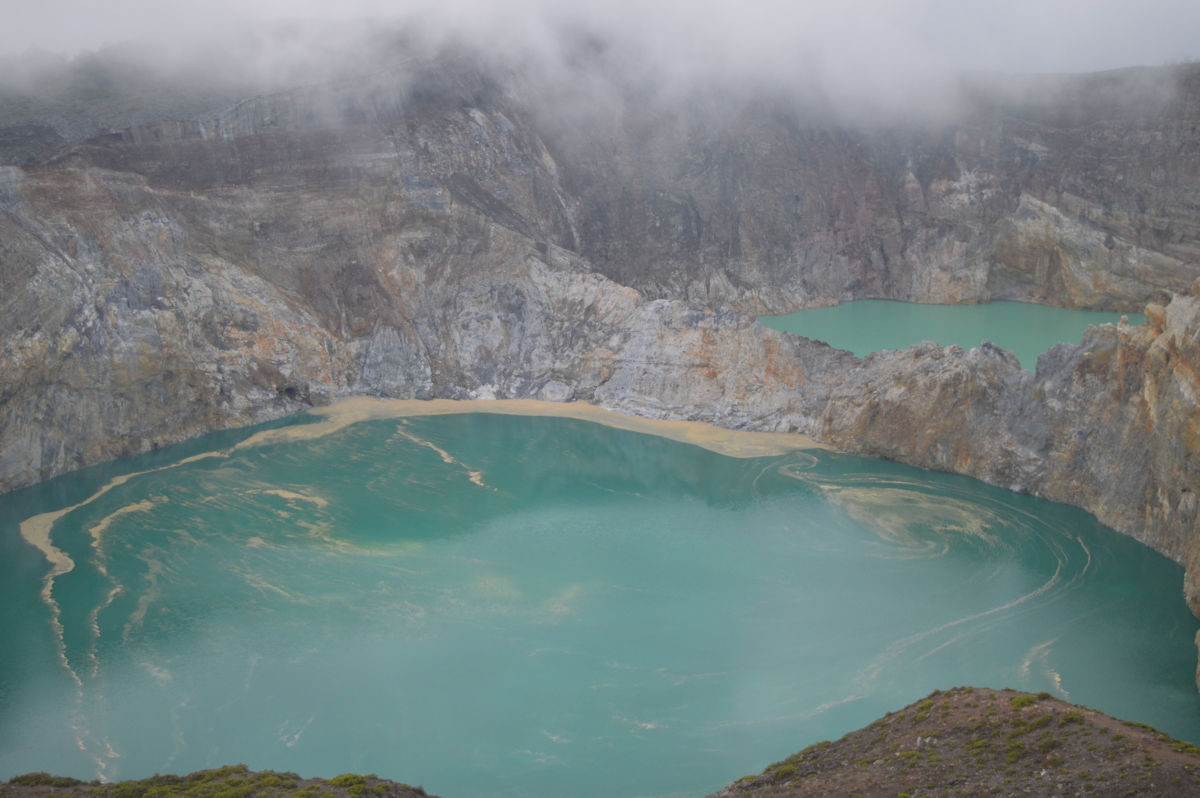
434,234
1076,193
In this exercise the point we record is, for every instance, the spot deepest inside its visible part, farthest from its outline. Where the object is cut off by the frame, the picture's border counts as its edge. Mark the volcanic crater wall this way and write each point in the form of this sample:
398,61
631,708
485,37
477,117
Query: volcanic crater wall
440,237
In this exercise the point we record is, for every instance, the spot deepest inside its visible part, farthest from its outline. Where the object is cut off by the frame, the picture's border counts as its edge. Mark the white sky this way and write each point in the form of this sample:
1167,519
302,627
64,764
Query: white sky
1014,36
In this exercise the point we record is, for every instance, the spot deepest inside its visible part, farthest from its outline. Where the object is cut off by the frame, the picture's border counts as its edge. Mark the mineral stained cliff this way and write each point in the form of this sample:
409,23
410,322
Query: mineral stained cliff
434,234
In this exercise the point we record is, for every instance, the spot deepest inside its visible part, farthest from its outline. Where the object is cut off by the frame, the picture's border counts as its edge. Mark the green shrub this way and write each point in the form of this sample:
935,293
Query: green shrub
41,779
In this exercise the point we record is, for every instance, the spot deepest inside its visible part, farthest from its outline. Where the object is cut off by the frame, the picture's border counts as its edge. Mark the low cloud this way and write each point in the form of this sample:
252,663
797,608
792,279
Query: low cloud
1016,35
882,55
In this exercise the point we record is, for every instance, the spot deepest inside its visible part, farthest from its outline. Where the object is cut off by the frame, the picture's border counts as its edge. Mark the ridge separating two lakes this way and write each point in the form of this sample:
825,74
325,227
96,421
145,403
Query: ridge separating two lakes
872,325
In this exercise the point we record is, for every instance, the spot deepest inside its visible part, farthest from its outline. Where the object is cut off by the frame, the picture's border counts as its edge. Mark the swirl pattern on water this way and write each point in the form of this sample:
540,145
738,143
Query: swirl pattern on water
535,606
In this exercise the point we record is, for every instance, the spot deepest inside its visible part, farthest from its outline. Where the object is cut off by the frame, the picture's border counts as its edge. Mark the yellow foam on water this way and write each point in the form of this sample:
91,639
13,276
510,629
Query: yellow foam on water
476,477
296,496
562,603
100,527
497,587
37,530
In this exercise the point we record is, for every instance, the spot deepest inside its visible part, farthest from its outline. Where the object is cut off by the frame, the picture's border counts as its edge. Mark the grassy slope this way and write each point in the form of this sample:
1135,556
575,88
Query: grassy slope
970,741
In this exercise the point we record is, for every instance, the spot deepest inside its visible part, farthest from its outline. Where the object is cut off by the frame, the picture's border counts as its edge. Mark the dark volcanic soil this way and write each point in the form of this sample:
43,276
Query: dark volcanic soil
971,741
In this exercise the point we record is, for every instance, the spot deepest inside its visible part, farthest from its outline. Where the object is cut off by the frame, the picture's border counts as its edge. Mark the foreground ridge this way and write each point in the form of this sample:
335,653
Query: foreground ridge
972,741
964,741
231,781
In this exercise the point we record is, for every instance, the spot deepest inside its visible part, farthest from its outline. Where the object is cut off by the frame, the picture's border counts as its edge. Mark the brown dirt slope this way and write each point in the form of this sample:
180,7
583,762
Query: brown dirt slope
971,741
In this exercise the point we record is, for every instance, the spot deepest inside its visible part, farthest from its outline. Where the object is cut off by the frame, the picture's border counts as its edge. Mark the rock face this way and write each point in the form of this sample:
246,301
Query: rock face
1081,194
439,236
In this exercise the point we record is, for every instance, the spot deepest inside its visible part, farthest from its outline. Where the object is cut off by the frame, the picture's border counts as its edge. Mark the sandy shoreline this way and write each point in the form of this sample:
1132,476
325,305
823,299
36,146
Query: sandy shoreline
36,530
344,412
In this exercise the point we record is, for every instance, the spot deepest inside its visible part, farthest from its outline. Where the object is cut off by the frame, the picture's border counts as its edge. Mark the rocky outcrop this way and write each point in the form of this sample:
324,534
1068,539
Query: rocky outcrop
970,741
439,237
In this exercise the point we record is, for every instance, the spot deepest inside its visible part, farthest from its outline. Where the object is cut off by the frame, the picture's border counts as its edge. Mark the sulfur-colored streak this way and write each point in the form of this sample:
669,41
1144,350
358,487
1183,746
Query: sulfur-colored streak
94,626
497,587
154,569
892,509
299,497
476,477
259,583
896,649
562,604
36,531
97,531
894,512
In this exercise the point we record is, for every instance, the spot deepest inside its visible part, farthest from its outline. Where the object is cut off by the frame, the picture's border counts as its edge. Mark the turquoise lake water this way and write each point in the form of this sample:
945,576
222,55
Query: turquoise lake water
869,326
506,606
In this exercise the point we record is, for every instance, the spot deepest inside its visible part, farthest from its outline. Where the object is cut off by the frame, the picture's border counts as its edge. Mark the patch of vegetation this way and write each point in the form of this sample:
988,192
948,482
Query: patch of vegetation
784,771
40,778
232,781
1135,724
1022,701
1049,744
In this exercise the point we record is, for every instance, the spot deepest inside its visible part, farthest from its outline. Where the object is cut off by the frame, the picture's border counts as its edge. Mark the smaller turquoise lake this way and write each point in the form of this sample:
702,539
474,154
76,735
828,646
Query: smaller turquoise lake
871,325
